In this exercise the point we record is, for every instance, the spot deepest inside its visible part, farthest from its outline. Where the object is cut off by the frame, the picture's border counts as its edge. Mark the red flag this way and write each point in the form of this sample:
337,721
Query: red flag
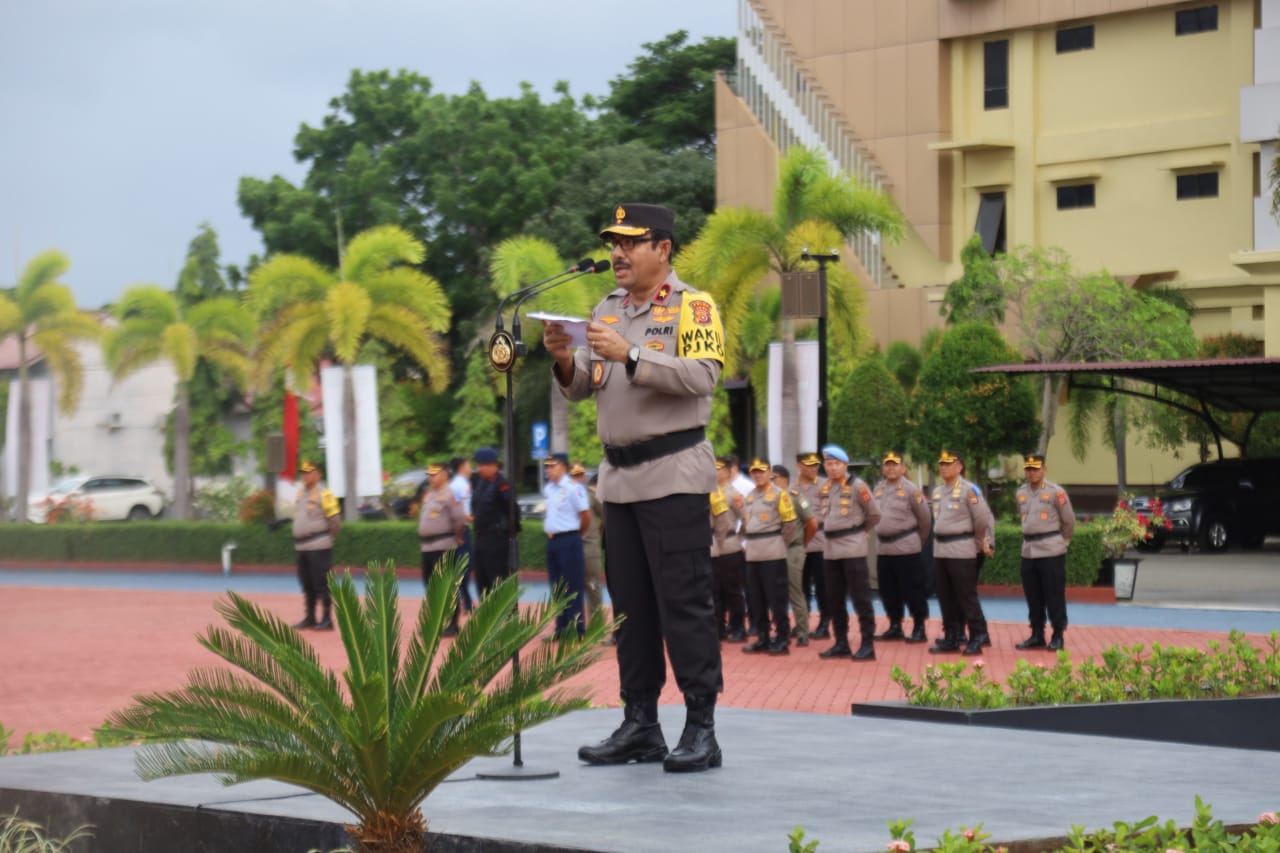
290,428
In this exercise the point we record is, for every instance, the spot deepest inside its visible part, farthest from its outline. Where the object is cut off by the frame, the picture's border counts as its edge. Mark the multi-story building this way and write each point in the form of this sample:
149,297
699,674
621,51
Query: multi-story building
1137,135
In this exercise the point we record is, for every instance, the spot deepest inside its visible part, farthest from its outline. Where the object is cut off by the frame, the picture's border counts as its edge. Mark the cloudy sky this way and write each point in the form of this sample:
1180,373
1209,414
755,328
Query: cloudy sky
125,124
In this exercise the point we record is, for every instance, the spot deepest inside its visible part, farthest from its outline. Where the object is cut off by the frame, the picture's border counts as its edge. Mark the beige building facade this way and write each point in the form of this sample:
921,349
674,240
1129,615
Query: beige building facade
1136,135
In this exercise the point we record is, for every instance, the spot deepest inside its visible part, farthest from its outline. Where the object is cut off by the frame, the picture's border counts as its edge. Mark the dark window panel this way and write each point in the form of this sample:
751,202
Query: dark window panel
1075,195
1198,185
1202,19
990,224
1075,38
995,74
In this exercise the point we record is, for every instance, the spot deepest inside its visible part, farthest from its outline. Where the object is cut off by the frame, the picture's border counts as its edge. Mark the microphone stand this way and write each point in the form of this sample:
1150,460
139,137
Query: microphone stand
504,348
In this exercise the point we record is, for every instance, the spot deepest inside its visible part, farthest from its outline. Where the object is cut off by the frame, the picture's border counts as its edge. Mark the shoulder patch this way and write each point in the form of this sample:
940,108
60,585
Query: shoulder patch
700,334
329,503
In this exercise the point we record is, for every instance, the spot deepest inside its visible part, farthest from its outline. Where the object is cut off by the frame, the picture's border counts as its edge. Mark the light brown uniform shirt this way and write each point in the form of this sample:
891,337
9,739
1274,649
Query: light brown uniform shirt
847,504
311,514
440,521
813,491
725,517
681,353
904,510
769,520
957,509
1045,510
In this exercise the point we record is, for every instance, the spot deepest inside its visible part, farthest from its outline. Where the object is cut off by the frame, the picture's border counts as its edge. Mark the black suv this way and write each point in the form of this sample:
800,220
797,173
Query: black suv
1231,502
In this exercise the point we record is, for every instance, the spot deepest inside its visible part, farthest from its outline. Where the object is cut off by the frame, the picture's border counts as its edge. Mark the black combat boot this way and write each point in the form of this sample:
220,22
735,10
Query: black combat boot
894,632
697,749
1055,642
946,643
867,651
917,633
638,739
779,646
1035,641
839,650
976,641
822,631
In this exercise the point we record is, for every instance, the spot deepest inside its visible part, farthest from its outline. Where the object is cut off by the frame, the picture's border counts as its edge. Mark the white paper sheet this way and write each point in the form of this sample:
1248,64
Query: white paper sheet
574,327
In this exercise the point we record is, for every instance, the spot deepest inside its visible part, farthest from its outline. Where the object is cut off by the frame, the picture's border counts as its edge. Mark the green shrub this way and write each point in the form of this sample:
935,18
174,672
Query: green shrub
182,542
1084,557
25,836
1122,674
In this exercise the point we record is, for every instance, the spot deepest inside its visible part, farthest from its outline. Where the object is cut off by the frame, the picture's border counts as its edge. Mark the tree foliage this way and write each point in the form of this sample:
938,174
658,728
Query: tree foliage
981,416
476,421
408,710
872,414
668,92
979,294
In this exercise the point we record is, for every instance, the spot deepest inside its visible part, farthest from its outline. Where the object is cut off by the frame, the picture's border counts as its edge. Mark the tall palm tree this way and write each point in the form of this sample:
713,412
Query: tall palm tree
151,327
42,313
310,313
518,261
395,727
812,209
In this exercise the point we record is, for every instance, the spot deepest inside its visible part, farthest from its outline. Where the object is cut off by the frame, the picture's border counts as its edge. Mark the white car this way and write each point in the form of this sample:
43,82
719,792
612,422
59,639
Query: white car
102,497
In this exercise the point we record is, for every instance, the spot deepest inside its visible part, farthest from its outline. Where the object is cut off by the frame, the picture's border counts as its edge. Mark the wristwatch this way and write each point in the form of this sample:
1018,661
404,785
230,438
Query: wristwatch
633,358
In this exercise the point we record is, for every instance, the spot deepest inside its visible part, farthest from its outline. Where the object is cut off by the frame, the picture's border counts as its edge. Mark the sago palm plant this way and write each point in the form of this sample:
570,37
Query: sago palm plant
398,724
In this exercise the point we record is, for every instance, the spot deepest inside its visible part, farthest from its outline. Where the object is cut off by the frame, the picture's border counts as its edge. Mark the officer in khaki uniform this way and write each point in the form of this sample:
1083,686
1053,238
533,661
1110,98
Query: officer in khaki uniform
315,527
727,558
904,527
801,534
655,348
442,527
962,529
812,579
848,511
1047,524
768,521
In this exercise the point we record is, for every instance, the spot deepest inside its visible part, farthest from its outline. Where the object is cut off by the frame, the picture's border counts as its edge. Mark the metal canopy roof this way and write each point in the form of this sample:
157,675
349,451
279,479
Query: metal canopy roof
1226,384
1229,384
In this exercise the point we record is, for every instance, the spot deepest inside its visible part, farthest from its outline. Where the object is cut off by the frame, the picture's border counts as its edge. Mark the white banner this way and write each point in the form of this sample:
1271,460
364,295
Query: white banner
368,439
41,417
806,398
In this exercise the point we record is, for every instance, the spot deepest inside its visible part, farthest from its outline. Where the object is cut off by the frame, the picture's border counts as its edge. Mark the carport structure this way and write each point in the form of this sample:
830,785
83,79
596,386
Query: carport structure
1227,385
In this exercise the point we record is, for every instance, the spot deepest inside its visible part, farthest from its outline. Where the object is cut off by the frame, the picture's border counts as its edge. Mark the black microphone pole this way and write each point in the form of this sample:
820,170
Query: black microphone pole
504,348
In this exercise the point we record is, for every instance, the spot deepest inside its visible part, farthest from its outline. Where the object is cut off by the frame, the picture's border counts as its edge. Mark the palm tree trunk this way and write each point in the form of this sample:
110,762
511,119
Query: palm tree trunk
1049,390
790,397
350,500
559,422
1119,430
182,455
21,495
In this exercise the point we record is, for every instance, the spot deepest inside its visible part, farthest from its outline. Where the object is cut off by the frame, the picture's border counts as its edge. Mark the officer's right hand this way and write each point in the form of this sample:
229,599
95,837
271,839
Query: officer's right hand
557,341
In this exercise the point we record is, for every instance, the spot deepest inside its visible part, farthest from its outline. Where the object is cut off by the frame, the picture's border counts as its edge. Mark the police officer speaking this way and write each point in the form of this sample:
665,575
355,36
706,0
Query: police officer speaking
654,352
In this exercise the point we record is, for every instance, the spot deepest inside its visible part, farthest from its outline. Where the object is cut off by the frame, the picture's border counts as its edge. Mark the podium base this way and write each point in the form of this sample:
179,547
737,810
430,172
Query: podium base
518,773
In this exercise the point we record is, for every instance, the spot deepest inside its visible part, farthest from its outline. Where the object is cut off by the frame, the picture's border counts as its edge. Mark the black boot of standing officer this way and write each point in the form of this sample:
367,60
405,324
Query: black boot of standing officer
697,749
638,739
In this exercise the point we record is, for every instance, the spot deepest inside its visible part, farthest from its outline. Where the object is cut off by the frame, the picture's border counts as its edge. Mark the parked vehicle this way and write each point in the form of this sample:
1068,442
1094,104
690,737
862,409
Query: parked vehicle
1219,505
101,497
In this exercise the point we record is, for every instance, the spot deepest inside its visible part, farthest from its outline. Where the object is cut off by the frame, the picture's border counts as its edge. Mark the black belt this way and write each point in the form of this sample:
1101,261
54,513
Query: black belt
894,537
625,456
954,537
844,531
764,535
435,536
564,533
1033,537
312,537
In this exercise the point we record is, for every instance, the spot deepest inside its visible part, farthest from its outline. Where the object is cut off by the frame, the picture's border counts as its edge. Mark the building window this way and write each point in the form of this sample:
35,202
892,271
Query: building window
1198,185
1075,38
995,74
1202,19
990,225
1075,195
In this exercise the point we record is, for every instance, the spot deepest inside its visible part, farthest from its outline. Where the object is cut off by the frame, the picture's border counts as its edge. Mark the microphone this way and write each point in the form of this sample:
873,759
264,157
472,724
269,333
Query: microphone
541,287
582,266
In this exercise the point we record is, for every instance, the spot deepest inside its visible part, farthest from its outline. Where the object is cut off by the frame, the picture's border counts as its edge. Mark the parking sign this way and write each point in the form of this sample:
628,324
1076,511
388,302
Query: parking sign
541,441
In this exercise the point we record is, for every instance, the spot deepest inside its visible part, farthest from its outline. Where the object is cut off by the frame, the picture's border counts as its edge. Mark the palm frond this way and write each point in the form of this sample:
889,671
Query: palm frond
520,261
182,348
42,270
406,332
376,250
285,280
407,289
10,317
347,307
65,362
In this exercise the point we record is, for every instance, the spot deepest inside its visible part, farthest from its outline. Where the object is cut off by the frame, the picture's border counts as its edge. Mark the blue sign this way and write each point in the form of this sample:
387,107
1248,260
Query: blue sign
541,441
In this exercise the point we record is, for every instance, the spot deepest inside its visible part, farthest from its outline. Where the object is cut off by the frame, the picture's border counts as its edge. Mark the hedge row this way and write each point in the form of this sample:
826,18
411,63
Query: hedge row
191,542
178,542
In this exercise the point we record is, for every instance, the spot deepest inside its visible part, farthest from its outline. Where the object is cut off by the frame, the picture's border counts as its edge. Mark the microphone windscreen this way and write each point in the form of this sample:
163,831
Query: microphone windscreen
601,266
584,265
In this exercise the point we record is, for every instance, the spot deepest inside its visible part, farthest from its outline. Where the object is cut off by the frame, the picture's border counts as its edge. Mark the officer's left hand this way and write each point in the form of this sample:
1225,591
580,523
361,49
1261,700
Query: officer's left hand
605,342
988,550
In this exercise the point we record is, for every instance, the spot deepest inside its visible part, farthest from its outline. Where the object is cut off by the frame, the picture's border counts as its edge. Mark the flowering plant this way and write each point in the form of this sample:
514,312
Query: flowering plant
1126,526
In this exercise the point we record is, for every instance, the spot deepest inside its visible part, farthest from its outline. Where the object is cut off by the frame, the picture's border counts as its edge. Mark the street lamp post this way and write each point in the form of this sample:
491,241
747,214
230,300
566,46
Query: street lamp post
823,408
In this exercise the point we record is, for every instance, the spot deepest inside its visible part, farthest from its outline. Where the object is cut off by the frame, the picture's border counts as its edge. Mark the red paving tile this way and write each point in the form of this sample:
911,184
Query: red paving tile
68,657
